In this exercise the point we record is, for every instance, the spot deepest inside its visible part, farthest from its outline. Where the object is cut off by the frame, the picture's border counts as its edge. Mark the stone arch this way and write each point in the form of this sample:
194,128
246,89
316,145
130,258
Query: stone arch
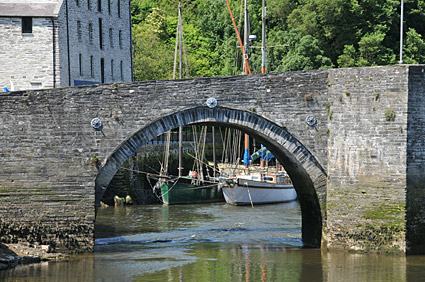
307,174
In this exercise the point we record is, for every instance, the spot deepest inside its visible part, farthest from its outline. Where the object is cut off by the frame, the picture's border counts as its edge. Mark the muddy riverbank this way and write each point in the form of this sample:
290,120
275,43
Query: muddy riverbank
12,255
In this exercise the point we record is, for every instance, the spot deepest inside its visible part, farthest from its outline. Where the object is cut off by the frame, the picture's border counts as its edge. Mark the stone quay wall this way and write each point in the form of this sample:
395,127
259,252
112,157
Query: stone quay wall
366,141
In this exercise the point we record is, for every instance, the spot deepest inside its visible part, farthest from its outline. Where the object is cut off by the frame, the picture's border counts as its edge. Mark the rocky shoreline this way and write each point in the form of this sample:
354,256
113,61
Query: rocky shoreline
12,255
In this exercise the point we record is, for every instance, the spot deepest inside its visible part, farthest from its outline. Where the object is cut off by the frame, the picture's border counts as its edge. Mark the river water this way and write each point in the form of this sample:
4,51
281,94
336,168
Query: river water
213,242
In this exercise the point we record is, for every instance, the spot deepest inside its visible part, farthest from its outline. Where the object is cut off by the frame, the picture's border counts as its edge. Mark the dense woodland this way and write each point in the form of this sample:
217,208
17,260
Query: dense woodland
306,34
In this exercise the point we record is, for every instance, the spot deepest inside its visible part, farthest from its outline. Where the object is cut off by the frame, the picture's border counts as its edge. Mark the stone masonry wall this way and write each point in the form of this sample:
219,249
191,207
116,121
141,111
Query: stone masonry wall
366,118
91,53
26,59
47,180
366,194
415,198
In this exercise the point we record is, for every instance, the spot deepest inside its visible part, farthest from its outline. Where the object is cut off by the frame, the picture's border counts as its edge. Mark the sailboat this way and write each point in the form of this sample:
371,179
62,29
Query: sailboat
256,186
194,187
189,189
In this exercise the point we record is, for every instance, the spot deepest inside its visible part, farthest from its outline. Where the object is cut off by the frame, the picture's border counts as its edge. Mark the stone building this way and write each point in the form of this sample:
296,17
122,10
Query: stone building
58,43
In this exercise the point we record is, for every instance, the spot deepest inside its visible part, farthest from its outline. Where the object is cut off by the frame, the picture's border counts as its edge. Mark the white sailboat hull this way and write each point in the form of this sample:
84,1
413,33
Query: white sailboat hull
247,192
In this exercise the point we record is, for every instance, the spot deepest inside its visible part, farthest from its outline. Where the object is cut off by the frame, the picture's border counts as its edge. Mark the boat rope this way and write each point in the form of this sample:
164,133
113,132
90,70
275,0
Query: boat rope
169,189
249,194
208,165
151,175
145,172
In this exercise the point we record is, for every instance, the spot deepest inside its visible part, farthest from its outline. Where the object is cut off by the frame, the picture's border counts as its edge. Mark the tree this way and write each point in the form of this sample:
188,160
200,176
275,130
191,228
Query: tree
414,48
309,34
348,58
372,52
152,58
304,54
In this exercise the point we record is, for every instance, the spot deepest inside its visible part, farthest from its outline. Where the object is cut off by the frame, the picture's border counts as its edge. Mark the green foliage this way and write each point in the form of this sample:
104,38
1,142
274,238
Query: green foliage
348,57
304,54
371,52
414,50
301,35
153,59
140,9
376,96
389,115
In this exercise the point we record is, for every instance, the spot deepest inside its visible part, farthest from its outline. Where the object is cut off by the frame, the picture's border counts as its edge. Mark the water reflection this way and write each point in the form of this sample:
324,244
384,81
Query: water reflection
214,242
235,263
79,268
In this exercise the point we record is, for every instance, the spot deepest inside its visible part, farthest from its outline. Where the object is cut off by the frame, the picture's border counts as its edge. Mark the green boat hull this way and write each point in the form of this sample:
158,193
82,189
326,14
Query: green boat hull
184,192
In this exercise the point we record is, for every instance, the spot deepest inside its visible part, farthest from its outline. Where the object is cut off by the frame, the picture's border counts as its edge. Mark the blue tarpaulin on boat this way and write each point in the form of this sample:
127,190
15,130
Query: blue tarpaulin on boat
263,153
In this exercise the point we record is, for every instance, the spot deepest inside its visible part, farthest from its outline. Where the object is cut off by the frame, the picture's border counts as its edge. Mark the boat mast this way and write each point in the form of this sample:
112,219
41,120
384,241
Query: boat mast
179,42
246,62
214,156
246,32
263,54
263,39
246,158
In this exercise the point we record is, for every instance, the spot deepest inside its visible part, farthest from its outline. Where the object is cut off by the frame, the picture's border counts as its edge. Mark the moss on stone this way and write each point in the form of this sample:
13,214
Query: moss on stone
387,215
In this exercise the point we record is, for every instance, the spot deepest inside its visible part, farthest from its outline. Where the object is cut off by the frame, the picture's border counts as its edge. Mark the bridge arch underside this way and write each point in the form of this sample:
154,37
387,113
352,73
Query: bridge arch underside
308,177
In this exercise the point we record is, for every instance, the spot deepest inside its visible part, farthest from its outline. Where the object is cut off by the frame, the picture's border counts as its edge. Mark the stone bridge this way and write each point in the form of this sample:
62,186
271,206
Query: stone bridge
357,169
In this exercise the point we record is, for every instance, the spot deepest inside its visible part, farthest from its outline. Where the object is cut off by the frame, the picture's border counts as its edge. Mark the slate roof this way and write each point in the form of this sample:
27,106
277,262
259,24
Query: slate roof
39,10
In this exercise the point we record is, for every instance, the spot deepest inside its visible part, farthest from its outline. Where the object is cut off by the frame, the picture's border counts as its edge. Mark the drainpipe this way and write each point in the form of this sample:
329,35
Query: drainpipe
67,42
54,52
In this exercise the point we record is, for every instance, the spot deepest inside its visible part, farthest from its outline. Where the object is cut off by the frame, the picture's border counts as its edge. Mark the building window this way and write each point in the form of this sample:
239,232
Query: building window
91,33
121,71
109,6
36,85
99,5
100,34
26,25
88,5
91,67
120,38
112,69
119,8
80,61
102,70
79,31
111,38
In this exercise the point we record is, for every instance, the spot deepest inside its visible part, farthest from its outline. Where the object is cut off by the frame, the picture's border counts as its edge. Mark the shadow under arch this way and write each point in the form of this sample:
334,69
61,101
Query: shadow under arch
308,176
